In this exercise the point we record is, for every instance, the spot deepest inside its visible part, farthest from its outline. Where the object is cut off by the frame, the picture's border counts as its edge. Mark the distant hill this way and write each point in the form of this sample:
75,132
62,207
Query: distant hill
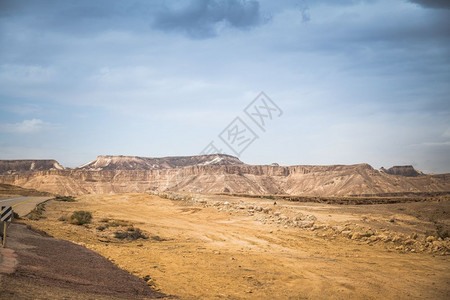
408,171
120,162
28,165
220,173
7,189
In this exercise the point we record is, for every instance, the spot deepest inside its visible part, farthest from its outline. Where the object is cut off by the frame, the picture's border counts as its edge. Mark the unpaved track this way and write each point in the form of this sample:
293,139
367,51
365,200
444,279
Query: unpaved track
55,269
213,255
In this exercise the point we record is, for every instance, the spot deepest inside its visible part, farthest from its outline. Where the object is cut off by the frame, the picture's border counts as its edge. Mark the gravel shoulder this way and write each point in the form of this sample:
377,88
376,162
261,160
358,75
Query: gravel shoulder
50,268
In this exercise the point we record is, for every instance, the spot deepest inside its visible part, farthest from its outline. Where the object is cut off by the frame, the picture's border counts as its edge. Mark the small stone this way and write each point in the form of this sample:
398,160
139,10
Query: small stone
311,217
409,242
356,236
306,224
430,239
373,238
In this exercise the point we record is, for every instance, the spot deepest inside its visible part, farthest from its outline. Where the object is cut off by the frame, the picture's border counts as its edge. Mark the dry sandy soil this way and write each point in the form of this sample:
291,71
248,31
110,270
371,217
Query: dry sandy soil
237,248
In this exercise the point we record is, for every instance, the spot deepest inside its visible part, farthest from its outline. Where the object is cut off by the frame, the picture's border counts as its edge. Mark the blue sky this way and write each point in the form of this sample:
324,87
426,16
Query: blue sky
357,81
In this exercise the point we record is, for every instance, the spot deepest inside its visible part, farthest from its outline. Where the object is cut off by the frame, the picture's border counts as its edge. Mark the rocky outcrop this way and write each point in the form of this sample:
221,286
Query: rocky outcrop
335,180
408,171
120,162
22,166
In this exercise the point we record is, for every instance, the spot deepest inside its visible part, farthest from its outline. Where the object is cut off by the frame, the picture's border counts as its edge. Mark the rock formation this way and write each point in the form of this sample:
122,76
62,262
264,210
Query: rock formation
212,174
408,171
28,165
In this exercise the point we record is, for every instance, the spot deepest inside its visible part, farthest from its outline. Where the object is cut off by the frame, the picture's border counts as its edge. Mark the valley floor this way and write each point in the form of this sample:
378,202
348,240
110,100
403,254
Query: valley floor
215,247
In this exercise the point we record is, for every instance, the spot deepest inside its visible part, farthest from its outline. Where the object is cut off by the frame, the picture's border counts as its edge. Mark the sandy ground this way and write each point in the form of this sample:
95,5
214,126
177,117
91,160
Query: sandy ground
197,251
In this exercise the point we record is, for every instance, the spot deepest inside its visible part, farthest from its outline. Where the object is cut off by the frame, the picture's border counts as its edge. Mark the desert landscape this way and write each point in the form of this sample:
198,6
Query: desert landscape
391,244
216,247
224,149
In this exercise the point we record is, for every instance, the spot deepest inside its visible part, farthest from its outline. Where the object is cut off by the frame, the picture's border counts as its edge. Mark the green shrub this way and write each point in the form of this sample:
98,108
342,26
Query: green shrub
81,217
271,197
64,198
135,234
37,212
117,223
102,227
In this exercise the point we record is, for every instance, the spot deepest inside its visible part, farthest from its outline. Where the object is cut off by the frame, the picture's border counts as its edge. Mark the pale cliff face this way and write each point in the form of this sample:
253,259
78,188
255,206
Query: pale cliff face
119,162
337,180
213,174
22,166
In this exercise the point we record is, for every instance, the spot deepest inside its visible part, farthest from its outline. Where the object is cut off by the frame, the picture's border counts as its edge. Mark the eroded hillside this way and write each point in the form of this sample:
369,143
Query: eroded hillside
221,174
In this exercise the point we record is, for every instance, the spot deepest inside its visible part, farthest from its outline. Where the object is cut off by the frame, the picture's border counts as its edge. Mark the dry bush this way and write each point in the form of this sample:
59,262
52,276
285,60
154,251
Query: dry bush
37,212
81,217
64,198
133,235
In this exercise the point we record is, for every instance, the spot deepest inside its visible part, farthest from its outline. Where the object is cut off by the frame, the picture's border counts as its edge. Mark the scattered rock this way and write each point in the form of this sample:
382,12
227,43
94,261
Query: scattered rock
306,224
267,210
311,217
430,238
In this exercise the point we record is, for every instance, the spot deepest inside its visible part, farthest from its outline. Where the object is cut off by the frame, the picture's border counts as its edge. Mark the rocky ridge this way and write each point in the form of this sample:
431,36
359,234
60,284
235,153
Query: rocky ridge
28,165
121,162
430,242
217,174
408,171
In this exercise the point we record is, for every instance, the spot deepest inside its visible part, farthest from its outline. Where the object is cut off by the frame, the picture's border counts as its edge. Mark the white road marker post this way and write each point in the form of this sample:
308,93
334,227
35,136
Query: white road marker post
6,217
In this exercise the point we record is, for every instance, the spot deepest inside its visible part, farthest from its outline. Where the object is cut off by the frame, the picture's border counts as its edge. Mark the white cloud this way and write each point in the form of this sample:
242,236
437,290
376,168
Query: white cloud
26,126
446,133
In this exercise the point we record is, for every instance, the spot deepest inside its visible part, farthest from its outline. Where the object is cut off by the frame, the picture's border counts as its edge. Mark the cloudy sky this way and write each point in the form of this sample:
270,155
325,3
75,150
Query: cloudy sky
357,81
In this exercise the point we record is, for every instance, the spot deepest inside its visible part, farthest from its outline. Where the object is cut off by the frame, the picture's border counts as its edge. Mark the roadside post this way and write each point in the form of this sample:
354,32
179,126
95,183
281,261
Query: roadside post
5,217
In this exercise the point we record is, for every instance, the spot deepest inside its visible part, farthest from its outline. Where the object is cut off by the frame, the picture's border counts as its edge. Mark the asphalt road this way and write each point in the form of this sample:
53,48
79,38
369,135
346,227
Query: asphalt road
22,205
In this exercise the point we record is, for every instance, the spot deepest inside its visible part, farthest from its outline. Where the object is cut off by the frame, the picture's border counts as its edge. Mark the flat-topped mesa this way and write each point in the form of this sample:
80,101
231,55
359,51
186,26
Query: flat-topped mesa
121,162
216,173
408,171
18,166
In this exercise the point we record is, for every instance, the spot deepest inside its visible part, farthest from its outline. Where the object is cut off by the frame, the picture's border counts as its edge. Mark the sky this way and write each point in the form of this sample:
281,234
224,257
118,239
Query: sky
344,82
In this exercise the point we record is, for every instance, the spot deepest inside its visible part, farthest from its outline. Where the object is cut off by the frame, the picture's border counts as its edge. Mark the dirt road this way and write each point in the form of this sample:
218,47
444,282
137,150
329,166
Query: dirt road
207,251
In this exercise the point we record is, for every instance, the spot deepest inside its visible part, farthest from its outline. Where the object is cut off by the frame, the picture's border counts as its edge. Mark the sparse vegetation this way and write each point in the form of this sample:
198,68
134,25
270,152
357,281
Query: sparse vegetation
62,219
102,227
271,197
157,238
81,217
133,235
64,198
367,235
117,223
37,212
